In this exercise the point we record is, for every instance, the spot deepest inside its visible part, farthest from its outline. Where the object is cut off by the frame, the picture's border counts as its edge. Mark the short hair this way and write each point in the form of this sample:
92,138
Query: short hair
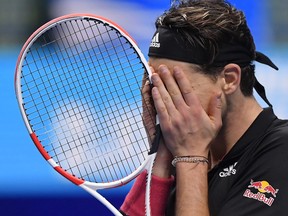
210,23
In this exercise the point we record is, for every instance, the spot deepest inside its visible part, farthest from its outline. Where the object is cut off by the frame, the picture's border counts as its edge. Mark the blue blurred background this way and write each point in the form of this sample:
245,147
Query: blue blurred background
28,185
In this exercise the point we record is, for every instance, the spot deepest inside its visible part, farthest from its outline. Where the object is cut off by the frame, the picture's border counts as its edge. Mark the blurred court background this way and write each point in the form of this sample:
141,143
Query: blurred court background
28,185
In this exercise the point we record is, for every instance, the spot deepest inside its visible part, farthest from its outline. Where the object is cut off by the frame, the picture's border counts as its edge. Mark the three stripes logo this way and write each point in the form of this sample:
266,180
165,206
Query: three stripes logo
228,171
155,41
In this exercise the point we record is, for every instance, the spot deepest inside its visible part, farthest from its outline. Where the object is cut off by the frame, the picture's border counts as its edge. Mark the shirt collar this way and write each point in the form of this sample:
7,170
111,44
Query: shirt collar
257,129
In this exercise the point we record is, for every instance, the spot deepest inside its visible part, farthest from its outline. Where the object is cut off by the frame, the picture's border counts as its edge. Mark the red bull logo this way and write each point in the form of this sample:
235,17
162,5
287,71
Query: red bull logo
262,188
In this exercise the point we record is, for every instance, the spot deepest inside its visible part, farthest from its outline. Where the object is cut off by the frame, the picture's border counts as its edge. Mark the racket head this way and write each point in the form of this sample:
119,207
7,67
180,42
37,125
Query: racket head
77,82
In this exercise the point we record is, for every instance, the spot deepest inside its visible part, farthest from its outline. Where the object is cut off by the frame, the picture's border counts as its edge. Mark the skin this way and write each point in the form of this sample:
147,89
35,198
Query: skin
198,116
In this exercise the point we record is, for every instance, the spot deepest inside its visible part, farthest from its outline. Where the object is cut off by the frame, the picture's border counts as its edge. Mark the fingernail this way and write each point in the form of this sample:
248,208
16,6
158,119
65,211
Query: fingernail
176,70
154,91
154,78
163,69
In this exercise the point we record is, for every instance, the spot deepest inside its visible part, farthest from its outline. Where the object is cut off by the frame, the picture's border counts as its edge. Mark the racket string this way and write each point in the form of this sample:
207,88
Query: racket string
85,124
55,77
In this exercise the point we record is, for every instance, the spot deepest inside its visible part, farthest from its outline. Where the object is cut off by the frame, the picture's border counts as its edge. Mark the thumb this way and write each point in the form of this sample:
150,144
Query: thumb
215,110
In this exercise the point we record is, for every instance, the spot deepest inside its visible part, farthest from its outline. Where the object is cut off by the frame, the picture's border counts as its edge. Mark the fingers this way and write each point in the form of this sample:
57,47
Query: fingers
148,108
167,95
215,111
185,125
162,99
146,91
174,87
184,85
171,86
160,106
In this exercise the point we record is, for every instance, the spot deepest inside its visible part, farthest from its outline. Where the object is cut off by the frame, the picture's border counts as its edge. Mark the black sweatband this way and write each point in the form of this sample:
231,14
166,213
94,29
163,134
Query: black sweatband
171,44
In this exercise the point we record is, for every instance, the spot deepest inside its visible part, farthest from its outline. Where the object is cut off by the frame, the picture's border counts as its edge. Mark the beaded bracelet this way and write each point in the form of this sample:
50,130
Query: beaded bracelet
190,159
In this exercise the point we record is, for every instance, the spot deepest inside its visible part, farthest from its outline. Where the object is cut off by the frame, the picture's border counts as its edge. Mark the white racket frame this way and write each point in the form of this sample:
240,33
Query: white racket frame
90,187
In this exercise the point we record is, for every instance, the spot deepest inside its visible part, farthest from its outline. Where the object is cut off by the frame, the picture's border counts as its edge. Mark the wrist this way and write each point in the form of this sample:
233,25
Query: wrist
191,152
194,159
162,166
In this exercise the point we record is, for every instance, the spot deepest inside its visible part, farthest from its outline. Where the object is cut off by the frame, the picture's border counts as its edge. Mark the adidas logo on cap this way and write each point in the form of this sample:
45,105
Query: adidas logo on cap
155,41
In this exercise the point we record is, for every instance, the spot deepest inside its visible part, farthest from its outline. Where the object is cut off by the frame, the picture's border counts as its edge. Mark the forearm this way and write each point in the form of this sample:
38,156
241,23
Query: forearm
192,189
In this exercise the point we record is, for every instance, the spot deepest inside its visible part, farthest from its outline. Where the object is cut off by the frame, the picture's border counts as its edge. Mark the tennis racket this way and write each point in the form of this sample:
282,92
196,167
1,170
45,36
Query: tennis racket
78,84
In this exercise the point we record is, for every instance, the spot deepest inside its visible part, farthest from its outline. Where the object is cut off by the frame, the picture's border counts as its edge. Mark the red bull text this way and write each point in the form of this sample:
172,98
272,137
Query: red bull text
263,188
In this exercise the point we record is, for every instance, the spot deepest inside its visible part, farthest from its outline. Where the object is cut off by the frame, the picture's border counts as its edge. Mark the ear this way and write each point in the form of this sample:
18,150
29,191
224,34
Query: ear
232,77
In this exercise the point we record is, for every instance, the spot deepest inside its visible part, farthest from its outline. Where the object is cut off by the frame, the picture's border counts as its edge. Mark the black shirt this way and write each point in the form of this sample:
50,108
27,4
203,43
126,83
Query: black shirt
252,179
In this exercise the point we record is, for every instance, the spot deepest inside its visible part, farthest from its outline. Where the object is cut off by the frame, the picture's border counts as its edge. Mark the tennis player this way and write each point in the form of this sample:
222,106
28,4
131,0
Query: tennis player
228,154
